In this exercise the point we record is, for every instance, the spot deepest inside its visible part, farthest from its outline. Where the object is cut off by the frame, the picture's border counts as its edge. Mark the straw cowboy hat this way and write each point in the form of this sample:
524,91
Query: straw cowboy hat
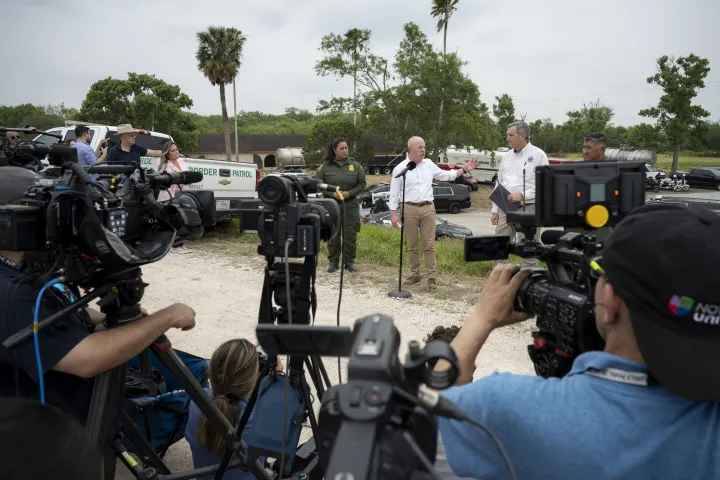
125,129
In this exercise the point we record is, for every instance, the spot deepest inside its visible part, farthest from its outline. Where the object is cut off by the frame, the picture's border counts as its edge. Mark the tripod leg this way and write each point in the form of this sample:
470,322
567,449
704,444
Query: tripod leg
325,375
145,449
105,404
140,473
305,388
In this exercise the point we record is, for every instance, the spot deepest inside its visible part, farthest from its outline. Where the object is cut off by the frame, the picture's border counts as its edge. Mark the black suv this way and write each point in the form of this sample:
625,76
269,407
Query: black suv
451,197
708,177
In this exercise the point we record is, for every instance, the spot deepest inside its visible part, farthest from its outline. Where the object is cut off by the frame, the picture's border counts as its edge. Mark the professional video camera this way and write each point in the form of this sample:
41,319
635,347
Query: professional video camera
577,195
289,215
30,154
379,424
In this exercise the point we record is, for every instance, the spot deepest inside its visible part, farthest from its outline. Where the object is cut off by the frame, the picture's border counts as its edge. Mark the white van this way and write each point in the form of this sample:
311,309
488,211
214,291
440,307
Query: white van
488,162
232,182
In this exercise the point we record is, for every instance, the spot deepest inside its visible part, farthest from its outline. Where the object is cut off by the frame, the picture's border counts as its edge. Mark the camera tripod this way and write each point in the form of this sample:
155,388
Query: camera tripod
293,286
107,422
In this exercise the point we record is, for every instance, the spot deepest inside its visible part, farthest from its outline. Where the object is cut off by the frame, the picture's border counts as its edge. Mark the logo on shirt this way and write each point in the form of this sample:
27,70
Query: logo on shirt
681,305
530,159
225,182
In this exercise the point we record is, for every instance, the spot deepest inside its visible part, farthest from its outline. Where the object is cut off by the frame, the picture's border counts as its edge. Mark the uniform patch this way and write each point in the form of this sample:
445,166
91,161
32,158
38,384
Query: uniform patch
351,167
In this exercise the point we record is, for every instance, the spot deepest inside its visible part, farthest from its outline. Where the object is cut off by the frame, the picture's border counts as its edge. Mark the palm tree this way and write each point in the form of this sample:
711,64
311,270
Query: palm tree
218,55
442,10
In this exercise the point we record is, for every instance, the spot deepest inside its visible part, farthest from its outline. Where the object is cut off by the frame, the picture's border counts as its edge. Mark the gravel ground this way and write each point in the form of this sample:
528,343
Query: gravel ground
224,289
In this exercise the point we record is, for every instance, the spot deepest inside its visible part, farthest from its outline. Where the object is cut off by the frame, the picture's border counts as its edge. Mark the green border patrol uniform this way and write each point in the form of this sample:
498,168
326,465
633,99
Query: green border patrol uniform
349,175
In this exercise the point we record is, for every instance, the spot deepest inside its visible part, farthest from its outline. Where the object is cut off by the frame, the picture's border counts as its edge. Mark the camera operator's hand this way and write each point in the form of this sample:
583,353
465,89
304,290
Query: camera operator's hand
495,304
183,317
494,218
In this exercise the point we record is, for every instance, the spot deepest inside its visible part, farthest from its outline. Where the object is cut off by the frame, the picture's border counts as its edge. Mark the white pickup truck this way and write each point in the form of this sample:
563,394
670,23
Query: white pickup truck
232,182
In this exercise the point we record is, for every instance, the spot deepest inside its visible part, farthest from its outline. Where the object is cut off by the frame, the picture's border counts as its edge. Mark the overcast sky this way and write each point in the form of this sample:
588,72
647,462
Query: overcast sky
549,55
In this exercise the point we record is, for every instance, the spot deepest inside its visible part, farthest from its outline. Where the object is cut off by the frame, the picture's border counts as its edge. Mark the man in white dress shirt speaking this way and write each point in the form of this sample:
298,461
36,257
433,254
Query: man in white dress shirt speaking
419,206
517,174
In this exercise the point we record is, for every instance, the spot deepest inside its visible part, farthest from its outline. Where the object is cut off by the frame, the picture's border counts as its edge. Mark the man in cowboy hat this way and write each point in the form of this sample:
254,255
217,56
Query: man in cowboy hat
127,152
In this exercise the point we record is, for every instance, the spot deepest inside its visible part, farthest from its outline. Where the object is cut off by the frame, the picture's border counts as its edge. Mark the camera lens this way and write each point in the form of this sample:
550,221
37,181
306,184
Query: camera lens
274,190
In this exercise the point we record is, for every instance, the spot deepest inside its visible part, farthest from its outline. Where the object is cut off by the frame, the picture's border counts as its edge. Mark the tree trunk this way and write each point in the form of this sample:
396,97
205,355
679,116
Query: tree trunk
237,145
226,127
676,155
436,153
355,88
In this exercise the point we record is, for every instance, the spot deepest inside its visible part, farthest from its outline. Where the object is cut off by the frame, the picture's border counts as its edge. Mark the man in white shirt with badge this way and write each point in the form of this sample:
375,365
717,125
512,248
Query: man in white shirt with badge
517,174
419,206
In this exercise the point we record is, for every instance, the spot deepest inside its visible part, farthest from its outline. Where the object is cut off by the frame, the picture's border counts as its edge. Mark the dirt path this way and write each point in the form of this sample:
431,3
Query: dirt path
225,289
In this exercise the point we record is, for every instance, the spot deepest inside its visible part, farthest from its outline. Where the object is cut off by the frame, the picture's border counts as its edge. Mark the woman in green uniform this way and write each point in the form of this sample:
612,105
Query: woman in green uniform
342,171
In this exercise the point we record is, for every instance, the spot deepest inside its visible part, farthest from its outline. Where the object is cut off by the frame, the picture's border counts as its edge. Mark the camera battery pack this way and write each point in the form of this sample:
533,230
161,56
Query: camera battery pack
22,227
305,241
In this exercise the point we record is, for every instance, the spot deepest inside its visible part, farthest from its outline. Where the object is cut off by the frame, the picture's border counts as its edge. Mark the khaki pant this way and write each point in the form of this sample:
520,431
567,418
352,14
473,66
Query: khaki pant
424,219
504,228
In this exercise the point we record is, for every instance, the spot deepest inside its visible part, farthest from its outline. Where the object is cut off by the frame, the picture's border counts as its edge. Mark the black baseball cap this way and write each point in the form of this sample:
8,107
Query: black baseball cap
14,182
663,261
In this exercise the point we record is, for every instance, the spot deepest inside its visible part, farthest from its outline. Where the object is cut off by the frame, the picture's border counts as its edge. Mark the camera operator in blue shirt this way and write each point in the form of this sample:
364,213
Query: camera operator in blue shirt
646,406
72,355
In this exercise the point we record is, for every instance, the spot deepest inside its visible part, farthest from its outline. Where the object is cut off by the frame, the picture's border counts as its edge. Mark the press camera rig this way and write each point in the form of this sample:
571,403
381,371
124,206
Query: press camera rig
578,196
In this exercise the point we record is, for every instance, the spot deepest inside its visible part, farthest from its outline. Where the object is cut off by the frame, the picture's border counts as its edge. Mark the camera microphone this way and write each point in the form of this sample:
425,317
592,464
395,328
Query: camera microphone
410,166
551,237
166,179
327,188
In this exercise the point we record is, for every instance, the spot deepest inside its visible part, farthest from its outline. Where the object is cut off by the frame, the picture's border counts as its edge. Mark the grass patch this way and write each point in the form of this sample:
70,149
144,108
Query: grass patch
376,245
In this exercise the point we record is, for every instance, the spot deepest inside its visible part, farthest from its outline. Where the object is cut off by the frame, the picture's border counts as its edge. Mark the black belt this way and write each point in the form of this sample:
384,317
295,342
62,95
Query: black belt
419,204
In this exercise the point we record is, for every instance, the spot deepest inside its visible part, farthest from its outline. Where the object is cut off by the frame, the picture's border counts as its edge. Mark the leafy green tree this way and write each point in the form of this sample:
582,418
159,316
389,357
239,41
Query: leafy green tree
323,132
676,116
218,55
504,112
144,101
349,55
38,116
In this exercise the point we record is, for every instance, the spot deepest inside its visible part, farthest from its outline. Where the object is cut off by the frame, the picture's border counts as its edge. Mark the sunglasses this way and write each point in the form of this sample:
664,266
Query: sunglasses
14,138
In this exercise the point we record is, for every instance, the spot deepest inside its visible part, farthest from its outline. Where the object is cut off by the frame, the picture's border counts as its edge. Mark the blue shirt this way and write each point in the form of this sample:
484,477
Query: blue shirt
86,156
117,155
201,456
582,427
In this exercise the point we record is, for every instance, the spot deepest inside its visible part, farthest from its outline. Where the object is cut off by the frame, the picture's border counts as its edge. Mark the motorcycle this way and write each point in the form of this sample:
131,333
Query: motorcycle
683,184
381,205
651,183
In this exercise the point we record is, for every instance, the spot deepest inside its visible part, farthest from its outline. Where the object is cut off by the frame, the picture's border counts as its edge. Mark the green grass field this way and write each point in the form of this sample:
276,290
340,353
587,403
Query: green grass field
376,245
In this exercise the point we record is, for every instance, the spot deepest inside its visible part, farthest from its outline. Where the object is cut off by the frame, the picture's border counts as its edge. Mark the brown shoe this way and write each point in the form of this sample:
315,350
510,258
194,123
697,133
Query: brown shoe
432,284
413,280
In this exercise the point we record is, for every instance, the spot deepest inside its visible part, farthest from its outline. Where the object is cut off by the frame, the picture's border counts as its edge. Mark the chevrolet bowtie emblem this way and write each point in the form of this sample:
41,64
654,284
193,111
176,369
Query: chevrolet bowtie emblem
224,182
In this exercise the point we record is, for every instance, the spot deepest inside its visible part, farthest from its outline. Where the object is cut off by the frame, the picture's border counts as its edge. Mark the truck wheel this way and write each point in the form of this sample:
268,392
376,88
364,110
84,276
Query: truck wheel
376,171
387,171
454,208
494,179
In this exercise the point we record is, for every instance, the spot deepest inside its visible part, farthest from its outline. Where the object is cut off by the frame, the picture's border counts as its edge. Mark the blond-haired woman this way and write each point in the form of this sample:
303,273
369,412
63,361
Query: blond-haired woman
170,162
234,369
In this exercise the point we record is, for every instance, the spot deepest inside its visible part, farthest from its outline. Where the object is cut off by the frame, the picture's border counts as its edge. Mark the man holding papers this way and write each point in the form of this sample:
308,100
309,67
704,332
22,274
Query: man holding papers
516,181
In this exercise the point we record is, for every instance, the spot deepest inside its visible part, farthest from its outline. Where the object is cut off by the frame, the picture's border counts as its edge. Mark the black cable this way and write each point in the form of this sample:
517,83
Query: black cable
421,455
441,406
287,362
341,234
